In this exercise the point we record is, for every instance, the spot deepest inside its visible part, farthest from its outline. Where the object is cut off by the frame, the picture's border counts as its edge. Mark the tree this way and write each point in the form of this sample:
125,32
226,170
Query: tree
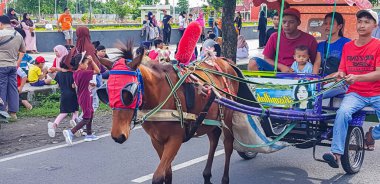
217,4
229,32
183,5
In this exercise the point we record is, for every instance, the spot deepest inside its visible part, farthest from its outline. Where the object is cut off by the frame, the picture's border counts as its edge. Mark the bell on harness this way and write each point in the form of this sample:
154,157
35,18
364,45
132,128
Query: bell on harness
103,94
128,93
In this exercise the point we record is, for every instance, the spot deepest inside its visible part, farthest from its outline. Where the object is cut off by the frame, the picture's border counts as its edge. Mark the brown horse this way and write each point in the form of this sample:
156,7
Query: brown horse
167,137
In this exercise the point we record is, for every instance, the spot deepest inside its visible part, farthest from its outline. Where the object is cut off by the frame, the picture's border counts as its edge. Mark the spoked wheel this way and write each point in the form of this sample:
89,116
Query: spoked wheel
247,155
353,157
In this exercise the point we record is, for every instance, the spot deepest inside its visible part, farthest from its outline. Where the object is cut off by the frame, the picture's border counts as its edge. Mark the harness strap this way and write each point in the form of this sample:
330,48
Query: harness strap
177,100
123,72
193,127
227,88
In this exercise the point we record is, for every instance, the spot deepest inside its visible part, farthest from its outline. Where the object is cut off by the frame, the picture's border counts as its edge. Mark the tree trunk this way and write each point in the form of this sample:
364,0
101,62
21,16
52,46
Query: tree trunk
228,28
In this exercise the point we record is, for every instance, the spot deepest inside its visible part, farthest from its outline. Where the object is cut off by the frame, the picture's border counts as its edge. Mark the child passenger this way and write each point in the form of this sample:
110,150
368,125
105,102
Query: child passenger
302,62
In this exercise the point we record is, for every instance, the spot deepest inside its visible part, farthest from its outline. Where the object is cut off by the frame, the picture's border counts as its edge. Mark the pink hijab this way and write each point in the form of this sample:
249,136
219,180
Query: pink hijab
201,20
62,52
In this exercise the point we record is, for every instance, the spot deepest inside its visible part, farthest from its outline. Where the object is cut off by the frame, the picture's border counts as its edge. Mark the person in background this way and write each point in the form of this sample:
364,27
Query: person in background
201,22
102,53
273,29
190,19
13,17
26,59
160,54
64,24
376,32
21,81
239,23
219,26
37,75
82,77
262,28
30,36
11,54
68,100
242,48
215,29
145,25
210,45
167,20
183,22
60,52
302,60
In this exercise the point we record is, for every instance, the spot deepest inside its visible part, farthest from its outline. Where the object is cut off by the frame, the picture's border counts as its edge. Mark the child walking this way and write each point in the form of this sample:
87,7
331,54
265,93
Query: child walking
82,78
302,60
68,100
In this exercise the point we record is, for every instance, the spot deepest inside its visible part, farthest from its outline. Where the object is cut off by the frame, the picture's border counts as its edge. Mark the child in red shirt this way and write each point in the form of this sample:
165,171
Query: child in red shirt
360,66
82,78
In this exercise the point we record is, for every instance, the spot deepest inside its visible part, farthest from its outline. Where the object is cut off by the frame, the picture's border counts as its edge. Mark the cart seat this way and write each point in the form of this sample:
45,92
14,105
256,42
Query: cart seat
334,104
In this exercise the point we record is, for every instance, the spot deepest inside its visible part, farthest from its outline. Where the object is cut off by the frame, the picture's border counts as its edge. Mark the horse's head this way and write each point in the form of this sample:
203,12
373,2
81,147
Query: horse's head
123,91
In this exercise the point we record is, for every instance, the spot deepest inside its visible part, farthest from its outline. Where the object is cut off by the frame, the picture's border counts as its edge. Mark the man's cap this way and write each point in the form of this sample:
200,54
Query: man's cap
39,60
372,13
294,12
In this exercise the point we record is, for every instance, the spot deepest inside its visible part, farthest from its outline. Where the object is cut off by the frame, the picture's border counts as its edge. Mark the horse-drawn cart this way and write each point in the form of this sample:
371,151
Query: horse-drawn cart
291,109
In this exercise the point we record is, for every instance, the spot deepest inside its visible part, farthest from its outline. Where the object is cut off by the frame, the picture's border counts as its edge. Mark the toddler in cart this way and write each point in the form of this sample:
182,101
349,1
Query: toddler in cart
302,62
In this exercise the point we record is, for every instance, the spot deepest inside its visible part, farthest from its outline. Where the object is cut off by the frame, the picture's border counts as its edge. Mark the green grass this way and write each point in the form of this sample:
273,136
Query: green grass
49,107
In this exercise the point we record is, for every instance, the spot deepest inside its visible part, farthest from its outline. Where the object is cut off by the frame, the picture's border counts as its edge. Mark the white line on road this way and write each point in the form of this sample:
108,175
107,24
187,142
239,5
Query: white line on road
51,148
179,166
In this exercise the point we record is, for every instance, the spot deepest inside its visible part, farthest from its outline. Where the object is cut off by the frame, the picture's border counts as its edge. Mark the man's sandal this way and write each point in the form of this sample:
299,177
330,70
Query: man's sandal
369,142
331,160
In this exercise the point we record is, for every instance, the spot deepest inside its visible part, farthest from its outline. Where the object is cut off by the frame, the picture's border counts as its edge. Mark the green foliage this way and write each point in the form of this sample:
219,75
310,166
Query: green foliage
183,5
216,4
120,7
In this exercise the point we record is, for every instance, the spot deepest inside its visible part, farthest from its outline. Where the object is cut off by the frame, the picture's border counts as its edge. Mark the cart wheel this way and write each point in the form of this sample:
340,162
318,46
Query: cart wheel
247,155
353,157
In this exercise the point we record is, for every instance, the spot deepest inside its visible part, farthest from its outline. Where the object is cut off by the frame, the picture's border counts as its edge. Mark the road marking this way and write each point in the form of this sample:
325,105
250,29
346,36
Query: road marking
179,166
51,148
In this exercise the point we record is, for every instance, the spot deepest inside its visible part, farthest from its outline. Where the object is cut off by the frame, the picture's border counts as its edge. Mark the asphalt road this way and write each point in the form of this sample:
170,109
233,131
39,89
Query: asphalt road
105,162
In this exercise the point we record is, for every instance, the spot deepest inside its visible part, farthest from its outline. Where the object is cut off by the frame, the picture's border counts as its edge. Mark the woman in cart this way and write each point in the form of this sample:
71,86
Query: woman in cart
327,63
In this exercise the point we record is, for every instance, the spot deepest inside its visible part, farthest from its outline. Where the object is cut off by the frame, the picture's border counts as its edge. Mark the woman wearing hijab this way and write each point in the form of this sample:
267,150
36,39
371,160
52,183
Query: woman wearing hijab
60,53
262,28
242,48
13,16
30,36
201,22
83,44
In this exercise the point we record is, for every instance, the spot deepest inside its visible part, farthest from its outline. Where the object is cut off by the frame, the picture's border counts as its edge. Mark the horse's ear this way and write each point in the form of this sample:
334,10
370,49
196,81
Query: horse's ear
106,62
138,59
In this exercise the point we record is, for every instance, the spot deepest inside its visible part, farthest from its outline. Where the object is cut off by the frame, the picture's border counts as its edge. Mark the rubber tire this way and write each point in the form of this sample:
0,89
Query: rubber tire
345,159
247,155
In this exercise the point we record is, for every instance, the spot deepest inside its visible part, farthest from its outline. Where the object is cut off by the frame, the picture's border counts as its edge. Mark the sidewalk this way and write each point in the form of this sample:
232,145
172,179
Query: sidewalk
49,57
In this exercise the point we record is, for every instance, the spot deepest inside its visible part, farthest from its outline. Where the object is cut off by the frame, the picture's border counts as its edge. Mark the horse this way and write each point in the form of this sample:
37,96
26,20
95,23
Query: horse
167,137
